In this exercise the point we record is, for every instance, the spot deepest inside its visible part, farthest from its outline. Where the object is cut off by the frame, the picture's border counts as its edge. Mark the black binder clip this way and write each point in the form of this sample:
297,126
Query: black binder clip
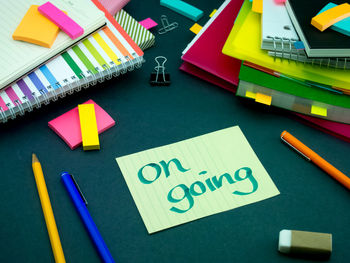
158,76
166,26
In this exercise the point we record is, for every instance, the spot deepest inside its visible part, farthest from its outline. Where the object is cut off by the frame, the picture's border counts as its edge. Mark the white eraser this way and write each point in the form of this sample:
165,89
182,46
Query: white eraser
285,241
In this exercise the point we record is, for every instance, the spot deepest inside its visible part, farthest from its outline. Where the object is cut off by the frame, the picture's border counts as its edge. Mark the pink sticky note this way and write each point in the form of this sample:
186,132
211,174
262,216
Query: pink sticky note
148,23
280,1
113,6
67,126
64,22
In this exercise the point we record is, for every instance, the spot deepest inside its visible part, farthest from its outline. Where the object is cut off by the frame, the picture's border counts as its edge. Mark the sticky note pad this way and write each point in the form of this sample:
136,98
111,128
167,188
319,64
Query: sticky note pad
36,29
319,110
183,8
250,94
198,177
67,126
342,26
213,12
88,126
148,23
68,25
262,98
257,6
331,16
303,243
196,28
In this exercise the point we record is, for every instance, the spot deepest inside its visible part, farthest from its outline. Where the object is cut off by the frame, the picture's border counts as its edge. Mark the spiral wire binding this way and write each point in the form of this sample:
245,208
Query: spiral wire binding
20,107
29,103
68,87
3,115
283,48
12,112
37,102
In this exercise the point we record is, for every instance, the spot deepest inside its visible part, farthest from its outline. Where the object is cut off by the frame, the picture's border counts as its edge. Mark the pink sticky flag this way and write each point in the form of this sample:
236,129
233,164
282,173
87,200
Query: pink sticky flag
64,22
67,126
148,23
280,1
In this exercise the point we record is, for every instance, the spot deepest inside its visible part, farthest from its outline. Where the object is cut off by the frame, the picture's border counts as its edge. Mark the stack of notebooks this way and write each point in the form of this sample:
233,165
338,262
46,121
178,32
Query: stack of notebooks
260,54
34,75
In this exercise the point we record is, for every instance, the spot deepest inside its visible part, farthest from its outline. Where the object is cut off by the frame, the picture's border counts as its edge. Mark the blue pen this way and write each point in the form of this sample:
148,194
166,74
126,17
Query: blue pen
80,204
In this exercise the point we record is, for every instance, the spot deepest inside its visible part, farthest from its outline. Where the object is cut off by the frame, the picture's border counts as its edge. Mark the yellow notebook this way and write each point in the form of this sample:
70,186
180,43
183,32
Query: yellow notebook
36,28
244,43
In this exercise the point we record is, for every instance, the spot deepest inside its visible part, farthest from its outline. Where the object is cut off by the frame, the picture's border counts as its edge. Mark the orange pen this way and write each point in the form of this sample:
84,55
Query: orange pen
315,158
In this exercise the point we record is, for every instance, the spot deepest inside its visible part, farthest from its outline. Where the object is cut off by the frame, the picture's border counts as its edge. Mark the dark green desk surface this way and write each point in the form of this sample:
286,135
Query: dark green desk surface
152,116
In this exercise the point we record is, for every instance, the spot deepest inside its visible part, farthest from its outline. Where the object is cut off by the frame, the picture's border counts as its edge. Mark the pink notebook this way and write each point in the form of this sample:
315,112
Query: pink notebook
200,73
340,130
206,53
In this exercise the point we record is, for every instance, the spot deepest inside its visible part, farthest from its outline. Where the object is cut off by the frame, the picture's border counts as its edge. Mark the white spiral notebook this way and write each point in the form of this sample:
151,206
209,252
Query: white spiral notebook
17,57
278,36
103,55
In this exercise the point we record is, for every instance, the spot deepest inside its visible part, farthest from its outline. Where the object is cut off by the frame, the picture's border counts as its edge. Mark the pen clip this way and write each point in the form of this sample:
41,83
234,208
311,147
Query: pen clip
307,158
78,188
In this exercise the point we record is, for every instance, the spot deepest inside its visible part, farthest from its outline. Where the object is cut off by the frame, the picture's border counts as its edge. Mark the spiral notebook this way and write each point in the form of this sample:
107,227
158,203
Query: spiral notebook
279,35
19,58
103,55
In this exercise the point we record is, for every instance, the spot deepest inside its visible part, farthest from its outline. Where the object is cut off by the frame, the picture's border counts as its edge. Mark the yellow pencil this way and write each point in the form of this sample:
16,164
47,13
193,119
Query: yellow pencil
47,210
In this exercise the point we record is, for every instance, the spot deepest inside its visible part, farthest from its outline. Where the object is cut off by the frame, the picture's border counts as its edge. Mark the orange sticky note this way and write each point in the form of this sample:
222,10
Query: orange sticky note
331,16
262,98
36,29
257,6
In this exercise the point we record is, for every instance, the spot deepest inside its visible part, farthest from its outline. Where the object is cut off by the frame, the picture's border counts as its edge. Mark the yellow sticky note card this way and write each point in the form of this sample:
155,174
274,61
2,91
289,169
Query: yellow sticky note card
213,12
262,98
36,29
319,110
250,94
196,28
257,6
88,125
195,178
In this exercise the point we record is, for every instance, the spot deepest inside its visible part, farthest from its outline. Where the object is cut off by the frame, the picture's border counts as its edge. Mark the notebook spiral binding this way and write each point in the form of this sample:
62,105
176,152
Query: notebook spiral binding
69,88
283,48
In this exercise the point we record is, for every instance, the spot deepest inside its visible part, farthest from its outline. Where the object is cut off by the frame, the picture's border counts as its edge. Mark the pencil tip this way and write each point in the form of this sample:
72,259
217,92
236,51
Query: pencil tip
34,158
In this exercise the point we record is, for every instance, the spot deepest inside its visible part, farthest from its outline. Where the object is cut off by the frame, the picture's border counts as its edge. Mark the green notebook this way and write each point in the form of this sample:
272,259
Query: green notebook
258,77
294,96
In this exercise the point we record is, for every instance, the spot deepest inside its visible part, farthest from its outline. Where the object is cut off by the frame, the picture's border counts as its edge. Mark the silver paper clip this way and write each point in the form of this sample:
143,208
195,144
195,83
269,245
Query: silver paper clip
164,78
166,26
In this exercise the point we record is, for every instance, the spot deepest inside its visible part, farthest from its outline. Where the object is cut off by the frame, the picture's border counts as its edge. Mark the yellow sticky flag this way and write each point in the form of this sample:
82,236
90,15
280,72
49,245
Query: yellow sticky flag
262,98
319,110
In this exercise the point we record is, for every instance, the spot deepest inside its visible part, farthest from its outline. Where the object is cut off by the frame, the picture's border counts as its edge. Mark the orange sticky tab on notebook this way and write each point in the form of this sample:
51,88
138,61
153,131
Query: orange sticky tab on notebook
257,6
36,29
331,16
196,28
262,98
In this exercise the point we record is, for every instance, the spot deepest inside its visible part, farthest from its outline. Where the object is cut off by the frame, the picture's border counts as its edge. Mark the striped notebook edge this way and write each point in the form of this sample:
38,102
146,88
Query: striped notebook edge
142,37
